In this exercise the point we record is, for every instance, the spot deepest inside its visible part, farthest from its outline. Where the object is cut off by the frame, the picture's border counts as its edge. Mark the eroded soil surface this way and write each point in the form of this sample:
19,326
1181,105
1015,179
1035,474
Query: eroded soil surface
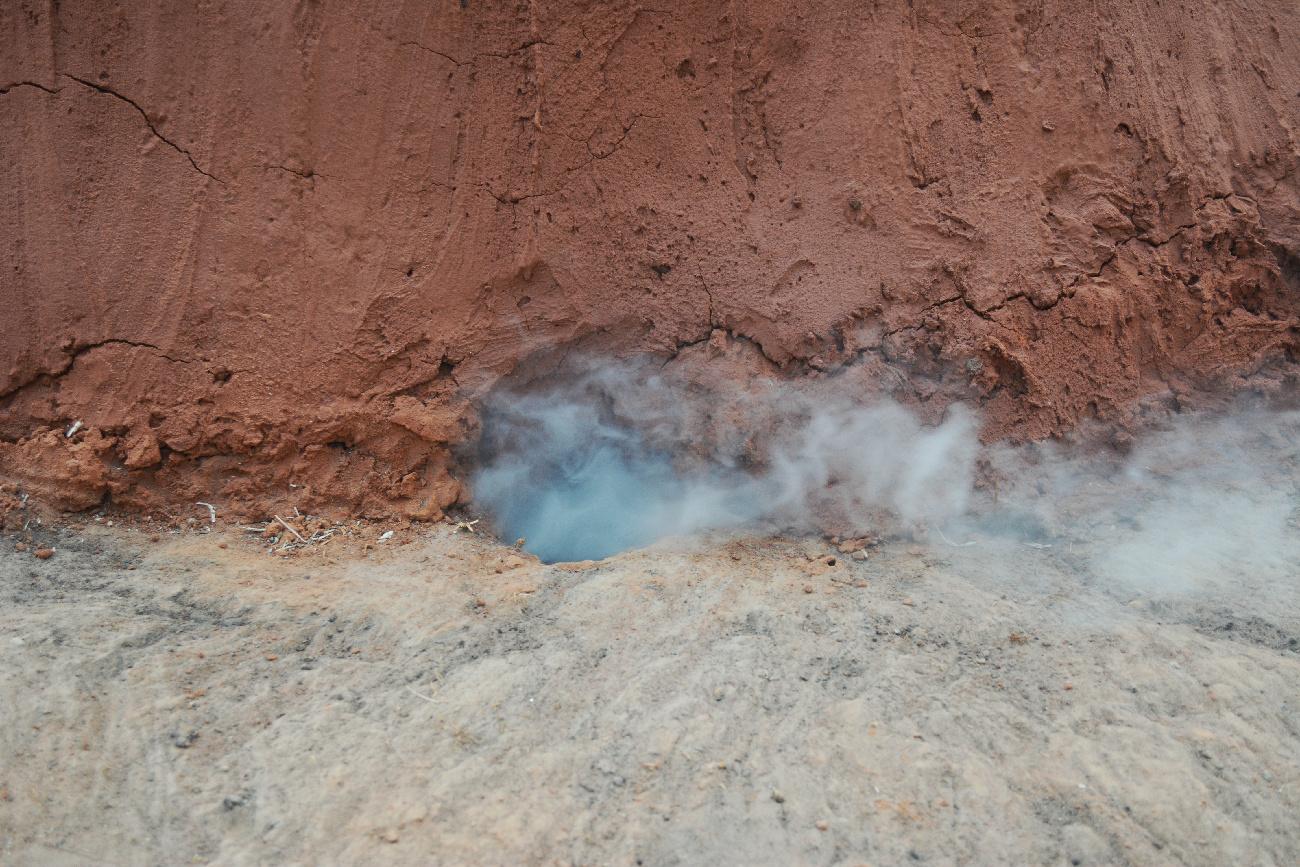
436,698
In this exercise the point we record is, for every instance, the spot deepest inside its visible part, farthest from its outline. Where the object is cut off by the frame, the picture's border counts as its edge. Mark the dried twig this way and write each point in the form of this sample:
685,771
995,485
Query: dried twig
952,543
418,695
212,512
290,529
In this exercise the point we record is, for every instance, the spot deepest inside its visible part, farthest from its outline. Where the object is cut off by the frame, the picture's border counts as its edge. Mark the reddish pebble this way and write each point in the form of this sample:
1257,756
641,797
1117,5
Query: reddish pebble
43,553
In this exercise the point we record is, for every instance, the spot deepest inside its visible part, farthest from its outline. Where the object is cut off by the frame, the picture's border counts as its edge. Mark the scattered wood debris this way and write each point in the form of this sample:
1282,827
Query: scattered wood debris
298,532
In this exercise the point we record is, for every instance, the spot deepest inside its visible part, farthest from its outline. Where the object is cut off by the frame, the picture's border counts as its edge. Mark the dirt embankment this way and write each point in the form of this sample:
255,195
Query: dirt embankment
268,252
192,700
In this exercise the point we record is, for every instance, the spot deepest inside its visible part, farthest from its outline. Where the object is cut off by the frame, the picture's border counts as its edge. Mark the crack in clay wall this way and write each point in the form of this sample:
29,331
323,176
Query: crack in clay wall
414,202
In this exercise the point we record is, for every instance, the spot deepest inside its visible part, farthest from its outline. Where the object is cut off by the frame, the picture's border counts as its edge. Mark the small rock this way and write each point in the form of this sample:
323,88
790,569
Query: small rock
807,588
778,796
20,547
859,555
43,553
823,825
1048,126
386,535
184,741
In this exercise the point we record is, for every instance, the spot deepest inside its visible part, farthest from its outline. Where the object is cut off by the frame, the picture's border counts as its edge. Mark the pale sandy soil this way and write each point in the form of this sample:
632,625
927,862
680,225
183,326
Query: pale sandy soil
726,701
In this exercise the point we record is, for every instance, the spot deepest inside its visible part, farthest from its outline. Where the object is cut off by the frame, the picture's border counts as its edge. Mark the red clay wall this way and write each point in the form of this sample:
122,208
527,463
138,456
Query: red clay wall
257,245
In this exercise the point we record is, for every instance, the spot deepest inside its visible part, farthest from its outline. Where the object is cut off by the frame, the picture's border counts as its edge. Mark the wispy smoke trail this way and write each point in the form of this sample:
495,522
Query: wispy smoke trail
1204,502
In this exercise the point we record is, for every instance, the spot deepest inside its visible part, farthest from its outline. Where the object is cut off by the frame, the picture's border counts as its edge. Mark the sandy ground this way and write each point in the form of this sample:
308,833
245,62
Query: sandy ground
432,700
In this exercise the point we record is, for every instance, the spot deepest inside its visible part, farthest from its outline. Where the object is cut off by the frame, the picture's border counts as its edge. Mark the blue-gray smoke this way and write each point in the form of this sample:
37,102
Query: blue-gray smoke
617,458
578,487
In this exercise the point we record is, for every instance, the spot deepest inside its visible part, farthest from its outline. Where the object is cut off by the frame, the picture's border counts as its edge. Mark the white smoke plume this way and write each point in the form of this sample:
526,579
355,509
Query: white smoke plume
619,455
